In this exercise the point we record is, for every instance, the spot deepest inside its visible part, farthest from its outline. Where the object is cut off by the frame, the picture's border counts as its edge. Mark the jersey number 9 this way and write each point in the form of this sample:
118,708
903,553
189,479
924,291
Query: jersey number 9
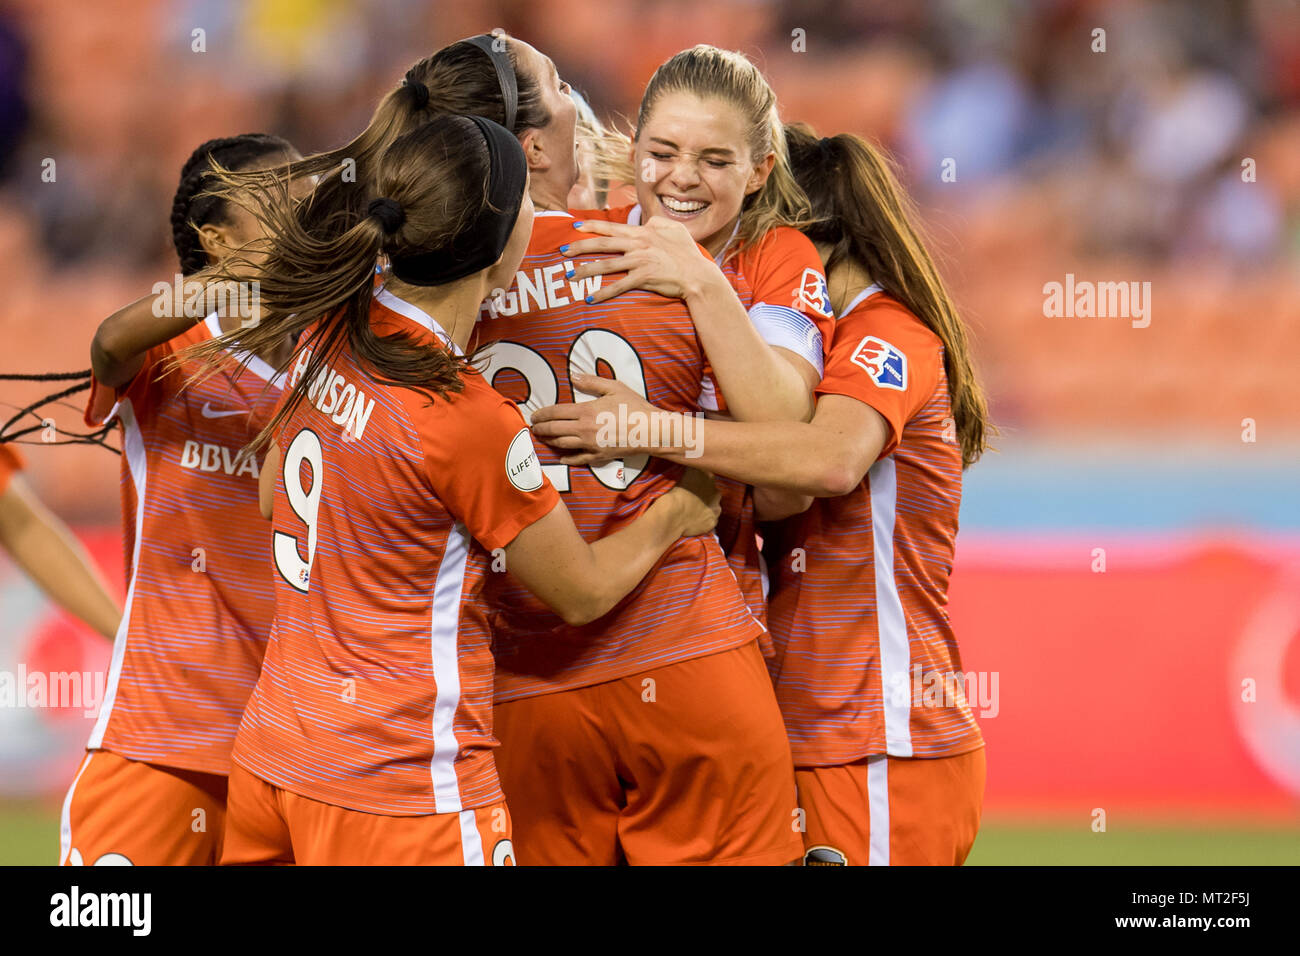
305,447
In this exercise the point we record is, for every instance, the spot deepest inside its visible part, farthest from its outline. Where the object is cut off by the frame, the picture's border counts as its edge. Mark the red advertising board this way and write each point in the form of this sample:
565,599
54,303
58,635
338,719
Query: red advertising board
1157,678
1151,677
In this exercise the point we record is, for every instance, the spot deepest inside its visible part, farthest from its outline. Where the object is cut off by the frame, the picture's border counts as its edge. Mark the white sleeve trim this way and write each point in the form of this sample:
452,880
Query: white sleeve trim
787,328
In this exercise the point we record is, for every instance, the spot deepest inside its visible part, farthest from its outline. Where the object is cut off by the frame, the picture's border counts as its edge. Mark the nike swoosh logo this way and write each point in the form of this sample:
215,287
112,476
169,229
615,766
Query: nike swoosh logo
209,413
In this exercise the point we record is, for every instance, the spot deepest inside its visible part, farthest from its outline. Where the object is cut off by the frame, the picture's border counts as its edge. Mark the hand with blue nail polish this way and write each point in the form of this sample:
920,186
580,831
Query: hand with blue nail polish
659,257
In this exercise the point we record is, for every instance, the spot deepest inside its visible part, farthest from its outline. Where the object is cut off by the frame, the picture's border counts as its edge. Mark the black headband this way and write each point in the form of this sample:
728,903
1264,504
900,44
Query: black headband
482,243
505,74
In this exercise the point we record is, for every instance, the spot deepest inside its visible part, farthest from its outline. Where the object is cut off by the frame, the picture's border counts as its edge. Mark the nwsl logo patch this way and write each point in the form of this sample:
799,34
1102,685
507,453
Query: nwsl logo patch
812,294
886,364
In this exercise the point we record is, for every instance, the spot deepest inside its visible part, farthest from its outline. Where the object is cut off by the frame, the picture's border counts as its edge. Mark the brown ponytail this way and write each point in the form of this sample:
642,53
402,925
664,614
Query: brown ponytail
863,214
438,176
458,79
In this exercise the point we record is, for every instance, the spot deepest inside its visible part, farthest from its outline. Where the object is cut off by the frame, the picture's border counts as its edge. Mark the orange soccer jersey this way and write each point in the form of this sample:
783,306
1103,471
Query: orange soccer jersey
866,661
199,596
376,692
779,281
688,606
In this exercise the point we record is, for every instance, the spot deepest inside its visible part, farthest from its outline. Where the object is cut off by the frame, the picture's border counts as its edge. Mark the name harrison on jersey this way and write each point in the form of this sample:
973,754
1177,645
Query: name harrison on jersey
333,395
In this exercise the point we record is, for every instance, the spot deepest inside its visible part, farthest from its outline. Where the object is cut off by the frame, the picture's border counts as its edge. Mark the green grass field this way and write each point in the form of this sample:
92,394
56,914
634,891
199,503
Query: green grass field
29,834
1003,844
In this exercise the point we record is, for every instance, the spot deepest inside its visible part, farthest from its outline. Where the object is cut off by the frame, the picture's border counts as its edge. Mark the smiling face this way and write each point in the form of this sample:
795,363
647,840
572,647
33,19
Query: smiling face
552,151
694,165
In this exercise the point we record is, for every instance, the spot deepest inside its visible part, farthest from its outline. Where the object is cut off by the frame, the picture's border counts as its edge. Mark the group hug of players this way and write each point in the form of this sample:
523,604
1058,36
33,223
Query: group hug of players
503,612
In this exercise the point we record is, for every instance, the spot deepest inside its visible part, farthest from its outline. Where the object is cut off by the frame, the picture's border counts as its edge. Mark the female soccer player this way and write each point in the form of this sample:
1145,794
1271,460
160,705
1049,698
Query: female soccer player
152,787
709,153
404,477
713,779
631,739
710,166
889,760
41,544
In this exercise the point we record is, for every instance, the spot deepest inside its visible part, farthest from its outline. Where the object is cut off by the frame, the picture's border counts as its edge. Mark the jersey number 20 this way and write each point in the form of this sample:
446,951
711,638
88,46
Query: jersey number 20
588,349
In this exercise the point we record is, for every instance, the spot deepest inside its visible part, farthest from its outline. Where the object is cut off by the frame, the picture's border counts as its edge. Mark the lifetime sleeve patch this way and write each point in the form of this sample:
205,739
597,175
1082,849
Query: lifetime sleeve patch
522,467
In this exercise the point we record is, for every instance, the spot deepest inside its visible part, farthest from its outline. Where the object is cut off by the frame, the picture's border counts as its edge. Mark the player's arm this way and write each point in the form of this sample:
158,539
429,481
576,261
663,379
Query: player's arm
118,349
773,504
582,581
824,458
47,551
266,480
760,382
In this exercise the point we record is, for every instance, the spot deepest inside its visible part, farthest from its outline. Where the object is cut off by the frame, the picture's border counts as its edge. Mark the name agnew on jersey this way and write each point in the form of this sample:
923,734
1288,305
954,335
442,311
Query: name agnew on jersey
333,395
540,289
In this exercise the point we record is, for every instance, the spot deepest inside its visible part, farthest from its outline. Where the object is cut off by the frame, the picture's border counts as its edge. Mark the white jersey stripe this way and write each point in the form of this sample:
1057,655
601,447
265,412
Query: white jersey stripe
65,819
891,624
446,670
878,810
865,294
416,315
133,448
470,842
259,367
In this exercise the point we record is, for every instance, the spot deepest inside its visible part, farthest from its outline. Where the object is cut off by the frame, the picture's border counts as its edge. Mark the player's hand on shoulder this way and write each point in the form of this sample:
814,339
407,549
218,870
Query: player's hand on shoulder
660,257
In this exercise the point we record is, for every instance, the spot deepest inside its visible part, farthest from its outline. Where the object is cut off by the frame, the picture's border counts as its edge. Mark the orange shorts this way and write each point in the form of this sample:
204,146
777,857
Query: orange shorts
885,811
268,825
684,764
121,812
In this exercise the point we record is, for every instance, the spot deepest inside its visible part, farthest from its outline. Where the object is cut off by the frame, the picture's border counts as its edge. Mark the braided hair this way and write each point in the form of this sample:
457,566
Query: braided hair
194,207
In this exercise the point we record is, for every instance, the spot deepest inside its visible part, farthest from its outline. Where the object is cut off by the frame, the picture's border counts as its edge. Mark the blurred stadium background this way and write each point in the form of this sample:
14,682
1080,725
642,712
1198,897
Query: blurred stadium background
1169,455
